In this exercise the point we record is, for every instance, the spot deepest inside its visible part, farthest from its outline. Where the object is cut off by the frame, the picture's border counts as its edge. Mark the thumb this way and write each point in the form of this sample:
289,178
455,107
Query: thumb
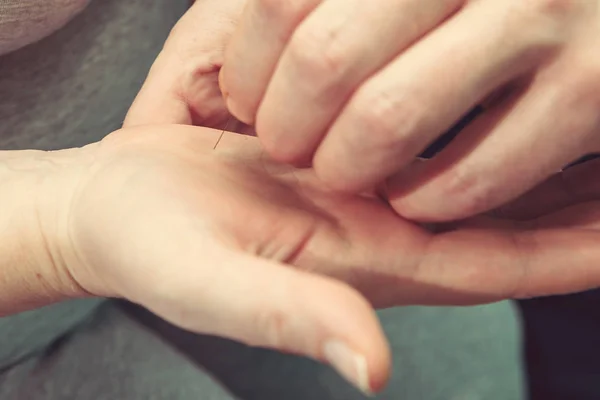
169,98
264,303
182,86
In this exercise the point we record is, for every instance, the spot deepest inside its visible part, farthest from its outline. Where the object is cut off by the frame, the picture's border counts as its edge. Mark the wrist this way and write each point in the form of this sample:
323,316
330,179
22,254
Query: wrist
36,188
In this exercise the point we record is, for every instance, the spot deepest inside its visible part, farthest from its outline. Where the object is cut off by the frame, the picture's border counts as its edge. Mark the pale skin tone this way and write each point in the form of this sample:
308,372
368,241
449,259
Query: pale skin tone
359,88
206,239
213,235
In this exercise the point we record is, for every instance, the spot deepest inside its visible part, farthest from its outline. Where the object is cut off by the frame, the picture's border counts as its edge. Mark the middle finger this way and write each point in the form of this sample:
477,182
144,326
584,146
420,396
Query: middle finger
335,48
404,107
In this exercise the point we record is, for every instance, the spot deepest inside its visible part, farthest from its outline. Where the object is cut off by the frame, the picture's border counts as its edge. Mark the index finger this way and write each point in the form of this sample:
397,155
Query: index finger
472,266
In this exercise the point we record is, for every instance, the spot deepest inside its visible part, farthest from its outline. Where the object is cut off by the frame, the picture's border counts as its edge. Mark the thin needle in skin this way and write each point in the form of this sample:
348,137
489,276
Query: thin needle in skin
223,132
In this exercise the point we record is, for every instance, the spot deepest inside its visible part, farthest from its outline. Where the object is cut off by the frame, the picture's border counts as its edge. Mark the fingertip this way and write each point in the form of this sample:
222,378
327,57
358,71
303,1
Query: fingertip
380,367
416,211
352,366
222,82
429,206
272,305
314,316
425,193
338,178
359,350
348,168
241,112
282,147
236,109
286,155
351,339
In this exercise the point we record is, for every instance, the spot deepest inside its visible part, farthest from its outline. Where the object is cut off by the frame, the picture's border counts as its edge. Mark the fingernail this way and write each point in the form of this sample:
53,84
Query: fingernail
349,364
221,82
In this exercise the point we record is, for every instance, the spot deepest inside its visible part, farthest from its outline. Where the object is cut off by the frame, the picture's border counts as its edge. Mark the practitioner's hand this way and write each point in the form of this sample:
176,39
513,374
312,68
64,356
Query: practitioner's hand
362,87
182,86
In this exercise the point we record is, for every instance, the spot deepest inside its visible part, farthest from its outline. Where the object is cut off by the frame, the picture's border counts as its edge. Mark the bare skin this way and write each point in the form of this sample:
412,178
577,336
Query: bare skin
360,88
206,239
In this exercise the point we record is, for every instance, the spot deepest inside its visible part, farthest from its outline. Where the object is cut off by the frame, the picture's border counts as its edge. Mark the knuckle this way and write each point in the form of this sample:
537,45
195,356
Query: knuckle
544,24
317,53
200,72
198,87
584,86
284,12
274,9
390,121
553,8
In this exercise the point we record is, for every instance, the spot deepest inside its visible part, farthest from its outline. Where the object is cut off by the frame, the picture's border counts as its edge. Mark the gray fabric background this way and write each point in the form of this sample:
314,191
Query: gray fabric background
68,90
126,353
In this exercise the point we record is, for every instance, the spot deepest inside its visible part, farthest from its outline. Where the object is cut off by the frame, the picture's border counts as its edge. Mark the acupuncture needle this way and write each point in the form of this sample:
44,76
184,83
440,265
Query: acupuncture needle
223,133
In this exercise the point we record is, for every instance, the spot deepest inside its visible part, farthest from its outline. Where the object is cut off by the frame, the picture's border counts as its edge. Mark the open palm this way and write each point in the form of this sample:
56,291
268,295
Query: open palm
202,228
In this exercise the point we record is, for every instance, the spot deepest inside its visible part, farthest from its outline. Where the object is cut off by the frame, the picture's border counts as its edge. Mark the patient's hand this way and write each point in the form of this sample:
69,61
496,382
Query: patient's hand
204,230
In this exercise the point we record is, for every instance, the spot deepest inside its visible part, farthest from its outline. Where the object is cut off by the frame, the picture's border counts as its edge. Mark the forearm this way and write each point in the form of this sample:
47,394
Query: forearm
32,270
